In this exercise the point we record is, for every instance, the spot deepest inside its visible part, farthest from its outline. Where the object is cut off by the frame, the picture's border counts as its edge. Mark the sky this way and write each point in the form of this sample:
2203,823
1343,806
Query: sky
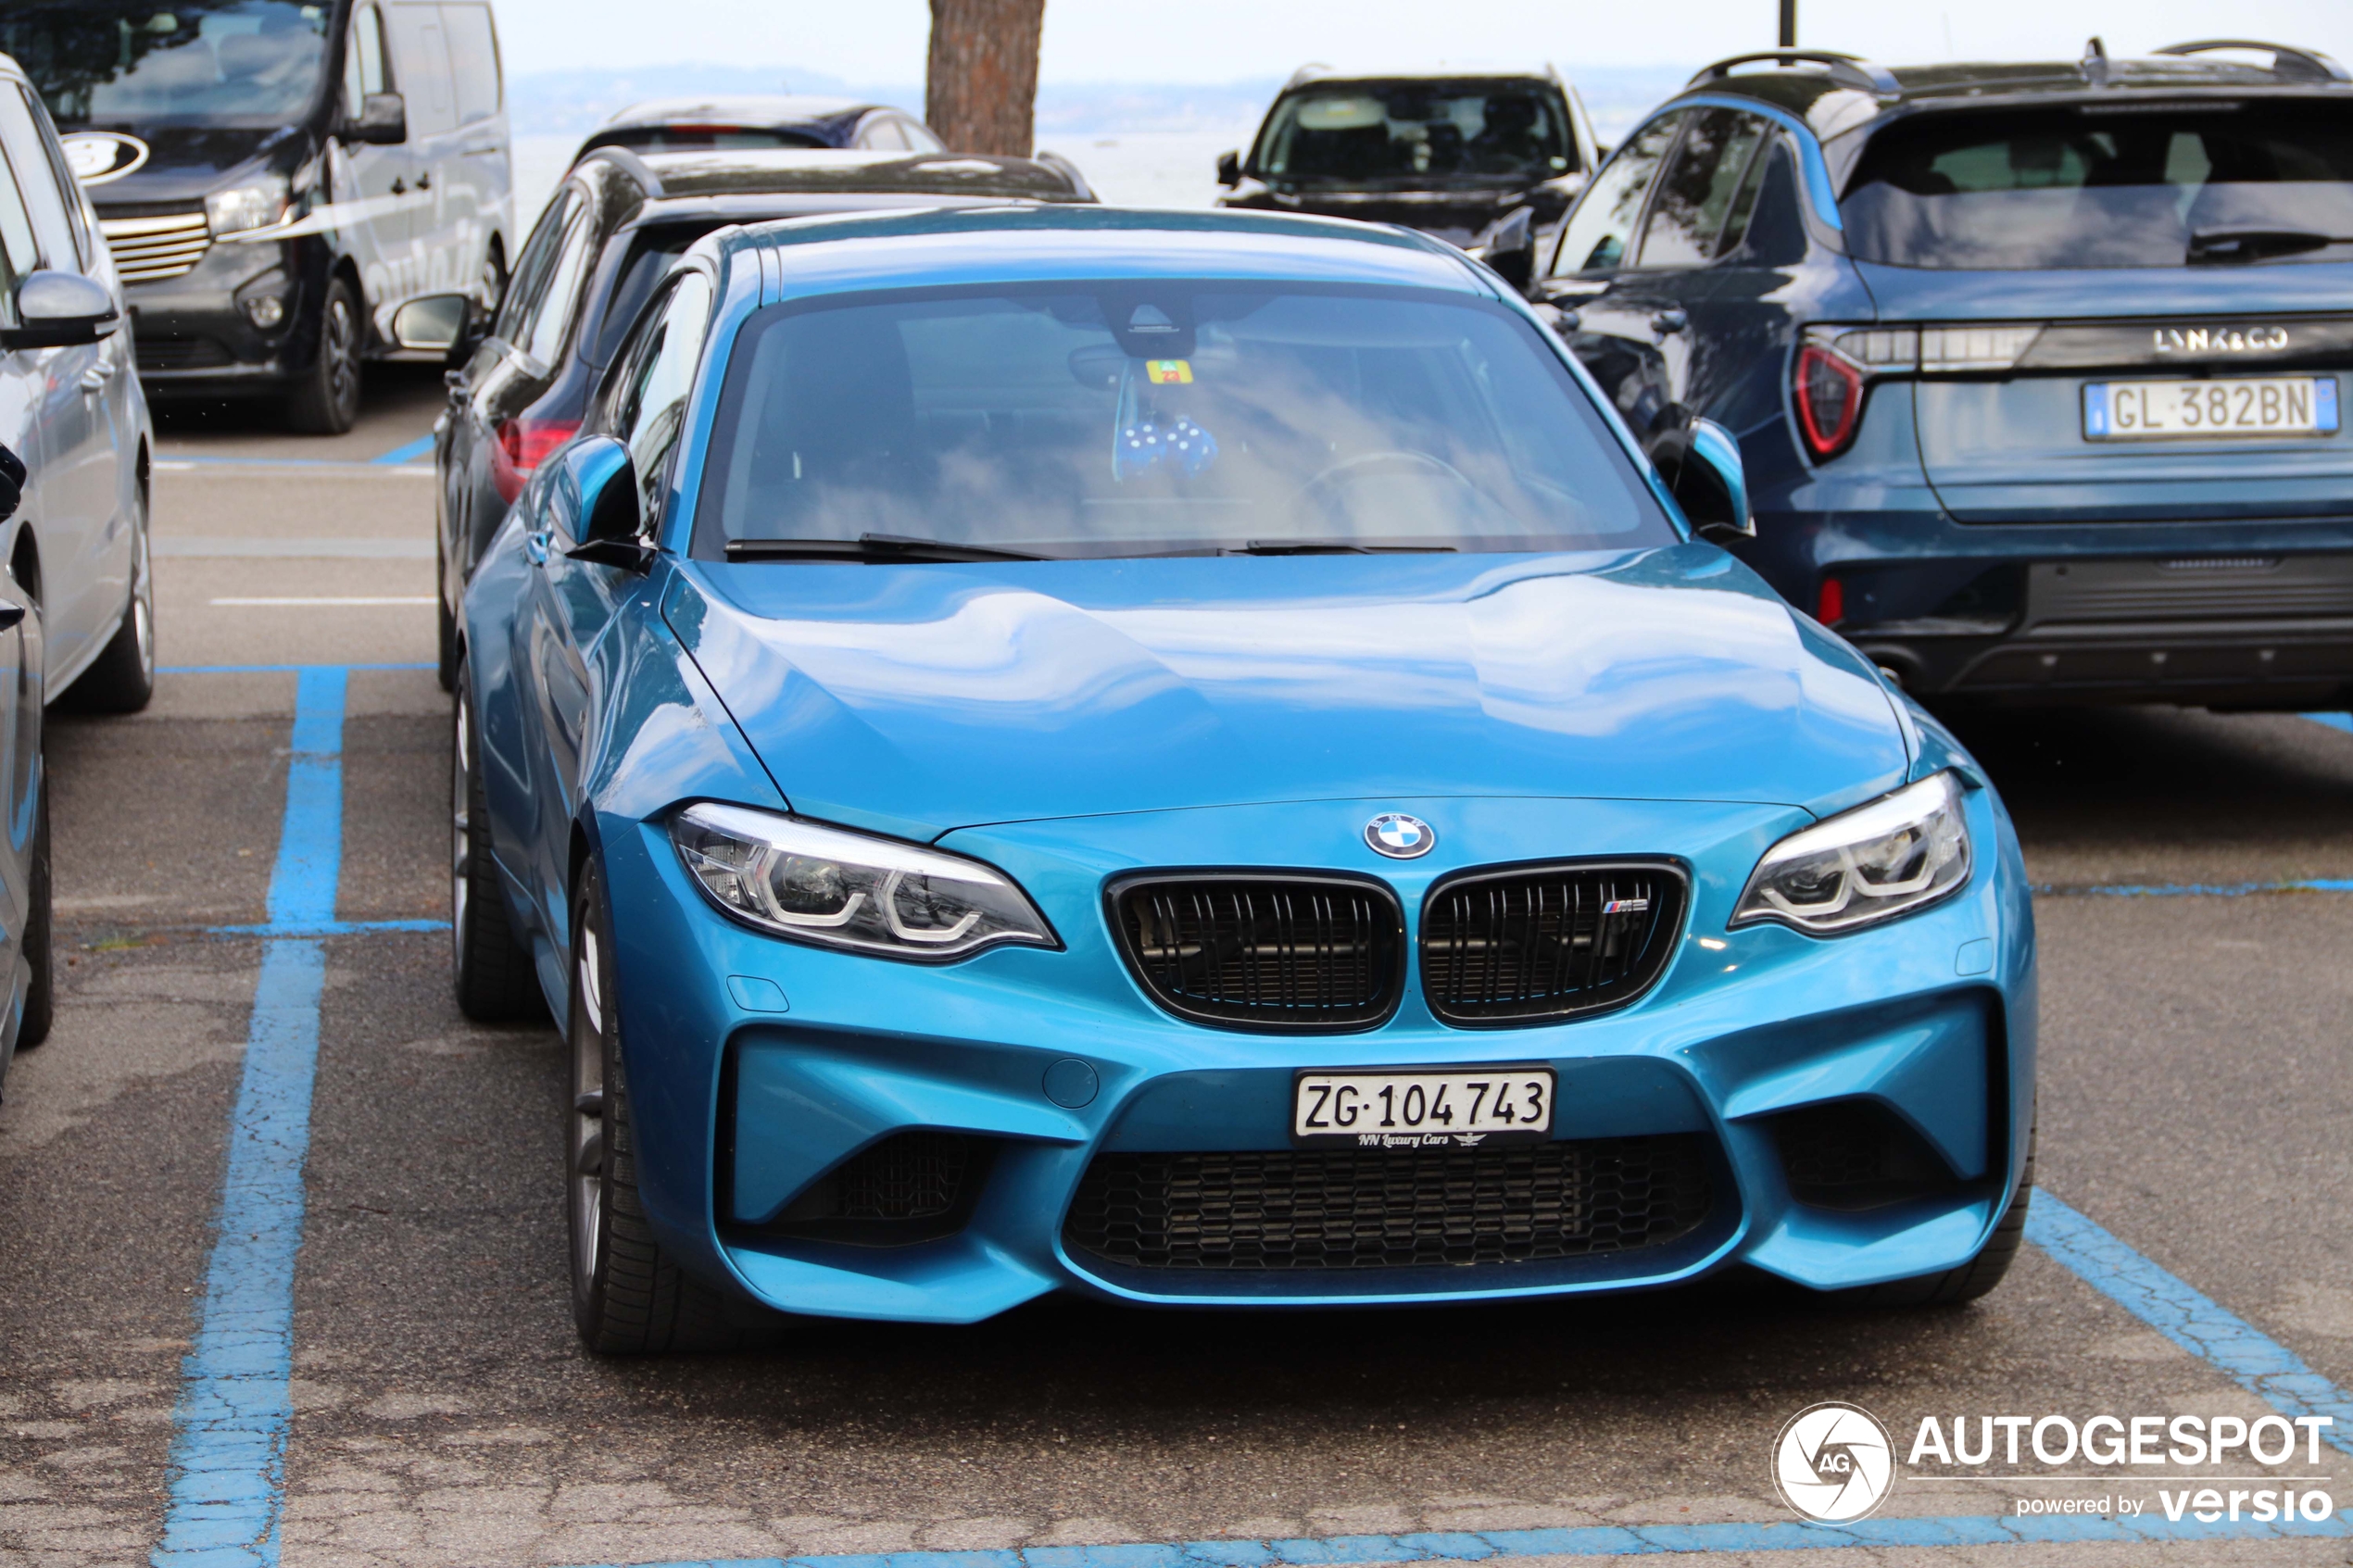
1216,41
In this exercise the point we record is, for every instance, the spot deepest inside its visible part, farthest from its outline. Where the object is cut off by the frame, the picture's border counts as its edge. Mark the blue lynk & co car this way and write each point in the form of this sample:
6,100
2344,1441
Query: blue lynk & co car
1194,759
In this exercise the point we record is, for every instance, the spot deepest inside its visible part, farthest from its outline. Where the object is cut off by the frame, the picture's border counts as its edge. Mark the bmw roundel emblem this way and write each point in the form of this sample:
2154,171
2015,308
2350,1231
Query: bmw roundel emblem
1399,836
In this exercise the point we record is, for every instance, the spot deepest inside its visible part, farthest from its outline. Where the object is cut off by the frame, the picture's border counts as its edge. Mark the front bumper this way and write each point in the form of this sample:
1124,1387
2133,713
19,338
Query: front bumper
740,1110
192,338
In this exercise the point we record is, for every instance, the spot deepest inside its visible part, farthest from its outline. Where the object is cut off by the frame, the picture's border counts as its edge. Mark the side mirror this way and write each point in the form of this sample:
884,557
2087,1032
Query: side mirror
434,322
1510,247
596,505
1229,169
59,310
382,121
1700,463
12,478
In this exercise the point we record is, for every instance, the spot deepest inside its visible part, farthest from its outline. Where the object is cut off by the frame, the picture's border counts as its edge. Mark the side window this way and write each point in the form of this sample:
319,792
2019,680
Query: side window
53,227
649,397
18,253
920,138
1744,200
79,216
882,134
473,61
1687,216
529,288
1600,232
421,67
363,60
549,322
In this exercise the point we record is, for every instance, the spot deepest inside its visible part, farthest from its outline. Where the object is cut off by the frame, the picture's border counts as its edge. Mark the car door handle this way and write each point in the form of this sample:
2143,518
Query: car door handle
534,546
399,186
94,379
1669,322
424,181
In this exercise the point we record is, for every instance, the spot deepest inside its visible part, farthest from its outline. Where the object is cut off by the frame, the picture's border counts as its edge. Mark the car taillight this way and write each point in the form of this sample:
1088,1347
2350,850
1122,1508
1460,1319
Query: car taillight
1830,398
523,443
1830,606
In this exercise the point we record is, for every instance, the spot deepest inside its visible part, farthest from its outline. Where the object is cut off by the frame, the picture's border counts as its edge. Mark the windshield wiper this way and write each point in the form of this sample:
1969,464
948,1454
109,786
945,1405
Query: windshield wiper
2255,244
870,547
1332,547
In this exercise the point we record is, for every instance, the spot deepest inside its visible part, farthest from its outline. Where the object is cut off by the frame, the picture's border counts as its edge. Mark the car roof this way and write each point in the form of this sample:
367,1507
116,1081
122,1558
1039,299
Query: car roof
1324,76
771,112
1840,94
1003,245
825,171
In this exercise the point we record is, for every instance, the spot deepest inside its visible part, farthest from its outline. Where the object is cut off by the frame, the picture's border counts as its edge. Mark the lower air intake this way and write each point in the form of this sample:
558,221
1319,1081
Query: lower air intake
1393,1209
911,1186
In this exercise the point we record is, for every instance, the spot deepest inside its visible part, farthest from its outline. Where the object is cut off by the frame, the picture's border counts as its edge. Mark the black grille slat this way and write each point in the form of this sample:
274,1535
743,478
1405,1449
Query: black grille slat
1369,1208
1263,952
1535,945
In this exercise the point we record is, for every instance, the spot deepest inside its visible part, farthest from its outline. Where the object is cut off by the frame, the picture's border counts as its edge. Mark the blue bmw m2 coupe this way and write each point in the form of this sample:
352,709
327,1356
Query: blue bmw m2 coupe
1190,759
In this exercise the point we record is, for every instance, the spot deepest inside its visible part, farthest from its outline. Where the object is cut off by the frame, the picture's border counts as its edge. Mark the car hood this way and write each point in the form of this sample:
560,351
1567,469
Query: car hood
184,163
918,699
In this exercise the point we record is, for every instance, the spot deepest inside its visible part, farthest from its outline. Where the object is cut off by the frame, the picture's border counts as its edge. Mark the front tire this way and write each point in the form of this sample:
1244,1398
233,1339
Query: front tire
1956,1287
628,1297
326,401
446,669
123,678
40,952
495,978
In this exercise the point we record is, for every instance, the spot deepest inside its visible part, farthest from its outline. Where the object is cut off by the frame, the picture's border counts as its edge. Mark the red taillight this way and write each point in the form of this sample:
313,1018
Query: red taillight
1830,400
523,444
1830,608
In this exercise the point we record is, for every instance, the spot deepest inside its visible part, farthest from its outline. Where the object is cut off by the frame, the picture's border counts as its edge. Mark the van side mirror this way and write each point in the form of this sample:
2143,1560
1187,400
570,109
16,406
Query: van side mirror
12,478
382,121
1510,247
596,505
59,310
1700,463
433,322
1229,169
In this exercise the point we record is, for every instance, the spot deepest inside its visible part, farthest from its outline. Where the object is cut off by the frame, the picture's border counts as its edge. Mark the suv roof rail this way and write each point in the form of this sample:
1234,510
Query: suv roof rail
1851,71
1307,72
626,159
2300,65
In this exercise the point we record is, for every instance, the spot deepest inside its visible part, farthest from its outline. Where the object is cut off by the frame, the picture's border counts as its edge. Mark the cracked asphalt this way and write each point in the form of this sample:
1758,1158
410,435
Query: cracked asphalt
2198,1089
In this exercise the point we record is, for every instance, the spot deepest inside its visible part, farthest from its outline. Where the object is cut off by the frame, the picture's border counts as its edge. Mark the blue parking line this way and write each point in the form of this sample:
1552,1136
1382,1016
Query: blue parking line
421,447
229,1437
2194,1321
1589,1540
277,669
2193,889
2333,720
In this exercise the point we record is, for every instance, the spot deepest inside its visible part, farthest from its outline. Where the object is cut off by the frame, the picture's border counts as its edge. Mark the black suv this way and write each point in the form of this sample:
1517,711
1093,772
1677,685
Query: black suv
1447,154
2037,369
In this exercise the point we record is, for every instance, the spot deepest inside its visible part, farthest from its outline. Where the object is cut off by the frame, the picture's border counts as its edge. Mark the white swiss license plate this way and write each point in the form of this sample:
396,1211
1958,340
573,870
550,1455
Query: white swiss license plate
1410,1109
2161,410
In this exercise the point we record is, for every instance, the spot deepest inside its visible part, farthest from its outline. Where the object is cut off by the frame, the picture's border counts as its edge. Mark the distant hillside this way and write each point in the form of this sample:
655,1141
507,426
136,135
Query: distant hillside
570,103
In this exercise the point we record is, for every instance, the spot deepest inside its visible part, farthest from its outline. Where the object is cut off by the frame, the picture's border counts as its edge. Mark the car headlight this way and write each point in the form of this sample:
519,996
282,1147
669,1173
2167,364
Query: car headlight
257,204
1900,853
841,889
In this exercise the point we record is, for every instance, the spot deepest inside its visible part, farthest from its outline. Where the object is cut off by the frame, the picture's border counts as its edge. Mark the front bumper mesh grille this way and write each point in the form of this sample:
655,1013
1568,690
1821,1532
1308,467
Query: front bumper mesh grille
1389,1209
1272,952
1533,945
147,250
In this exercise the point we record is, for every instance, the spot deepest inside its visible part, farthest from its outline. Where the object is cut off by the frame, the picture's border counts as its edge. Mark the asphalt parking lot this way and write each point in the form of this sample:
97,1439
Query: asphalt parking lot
2197,1084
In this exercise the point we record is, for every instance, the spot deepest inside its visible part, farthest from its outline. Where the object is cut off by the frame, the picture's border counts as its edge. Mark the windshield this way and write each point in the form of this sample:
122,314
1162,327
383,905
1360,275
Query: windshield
1145,419
1415,134
2107,185
244,63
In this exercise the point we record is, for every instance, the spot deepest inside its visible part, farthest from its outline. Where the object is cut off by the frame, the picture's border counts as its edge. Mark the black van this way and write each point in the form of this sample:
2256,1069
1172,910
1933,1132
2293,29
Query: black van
277,176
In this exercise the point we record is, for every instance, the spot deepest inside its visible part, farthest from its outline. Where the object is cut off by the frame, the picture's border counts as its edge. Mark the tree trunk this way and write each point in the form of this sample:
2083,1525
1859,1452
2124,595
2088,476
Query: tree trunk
982,92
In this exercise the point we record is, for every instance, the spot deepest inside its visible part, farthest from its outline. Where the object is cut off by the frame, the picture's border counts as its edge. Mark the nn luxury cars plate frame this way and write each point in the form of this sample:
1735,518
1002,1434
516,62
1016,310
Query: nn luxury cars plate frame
1456,1108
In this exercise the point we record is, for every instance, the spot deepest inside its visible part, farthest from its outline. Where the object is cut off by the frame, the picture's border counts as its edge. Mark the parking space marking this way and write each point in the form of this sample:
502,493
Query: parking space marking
2191,1319
1586,1540
408,452
348,601
290,465
2194,889
229,1439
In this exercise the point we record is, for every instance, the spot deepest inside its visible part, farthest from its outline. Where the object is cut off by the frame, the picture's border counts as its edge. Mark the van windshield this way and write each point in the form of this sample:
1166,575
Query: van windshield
238,63
1162,417
2111,184
1418,134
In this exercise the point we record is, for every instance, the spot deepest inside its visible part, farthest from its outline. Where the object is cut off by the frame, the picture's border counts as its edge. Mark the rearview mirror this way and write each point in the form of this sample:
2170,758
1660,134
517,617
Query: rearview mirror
1700,463
596,504
434,322
382,121
1510,247
1229,168
59,310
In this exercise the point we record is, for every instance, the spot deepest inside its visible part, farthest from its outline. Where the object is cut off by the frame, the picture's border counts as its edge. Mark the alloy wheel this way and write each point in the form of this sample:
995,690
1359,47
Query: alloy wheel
341,346
460,829
585,1150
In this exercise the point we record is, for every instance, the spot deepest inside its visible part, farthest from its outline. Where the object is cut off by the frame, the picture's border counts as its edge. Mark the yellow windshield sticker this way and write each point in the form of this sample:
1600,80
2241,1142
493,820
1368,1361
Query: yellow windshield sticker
1169,372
